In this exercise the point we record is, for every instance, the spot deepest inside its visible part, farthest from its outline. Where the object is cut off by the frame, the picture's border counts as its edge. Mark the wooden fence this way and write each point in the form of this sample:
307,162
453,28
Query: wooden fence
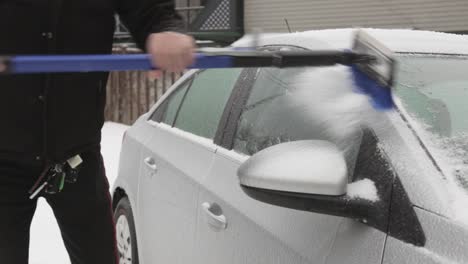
131,94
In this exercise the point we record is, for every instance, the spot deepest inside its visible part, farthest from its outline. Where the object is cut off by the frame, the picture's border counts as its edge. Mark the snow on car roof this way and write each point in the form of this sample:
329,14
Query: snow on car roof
398,40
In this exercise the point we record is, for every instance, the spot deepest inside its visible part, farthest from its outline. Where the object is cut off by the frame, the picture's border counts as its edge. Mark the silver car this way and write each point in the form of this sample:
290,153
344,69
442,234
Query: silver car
232,166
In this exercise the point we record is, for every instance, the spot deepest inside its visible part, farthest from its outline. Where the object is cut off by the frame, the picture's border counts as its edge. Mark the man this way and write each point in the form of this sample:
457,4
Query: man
51,123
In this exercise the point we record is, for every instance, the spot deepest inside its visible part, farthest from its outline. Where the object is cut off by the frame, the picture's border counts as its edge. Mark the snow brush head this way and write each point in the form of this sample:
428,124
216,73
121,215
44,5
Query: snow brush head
380,95
374,78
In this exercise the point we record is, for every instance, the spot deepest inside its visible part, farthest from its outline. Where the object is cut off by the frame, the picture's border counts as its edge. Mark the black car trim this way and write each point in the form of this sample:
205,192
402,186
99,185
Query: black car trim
223,125
402,221
228,127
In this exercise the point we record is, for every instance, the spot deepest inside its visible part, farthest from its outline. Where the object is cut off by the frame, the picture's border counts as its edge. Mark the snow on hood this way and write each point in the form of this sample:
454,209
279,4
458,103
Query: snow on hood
450,154
398,40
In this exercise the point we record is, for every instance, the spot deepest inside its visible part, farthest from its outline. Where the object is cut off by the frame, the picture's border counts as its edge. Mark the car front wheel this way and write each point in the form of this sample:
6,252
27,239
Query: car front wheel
125,232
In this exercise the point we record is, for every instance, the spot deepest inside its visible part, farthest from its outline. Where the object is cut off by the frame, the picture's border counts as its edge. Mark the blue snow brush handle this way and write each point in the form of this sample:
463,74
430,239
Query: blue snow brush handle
96,63
372,64
220,59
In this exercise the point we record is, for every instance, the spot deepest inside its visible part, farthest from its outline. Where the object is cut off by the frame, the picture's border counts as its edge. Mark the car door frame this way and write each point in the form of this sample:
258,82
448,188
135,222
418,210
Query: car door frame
239,93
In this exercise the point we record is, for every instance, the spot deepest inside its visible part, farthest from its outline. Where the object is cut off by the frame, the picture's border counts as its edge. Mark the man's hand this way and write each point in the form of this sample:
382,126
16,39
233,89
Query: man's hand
170,51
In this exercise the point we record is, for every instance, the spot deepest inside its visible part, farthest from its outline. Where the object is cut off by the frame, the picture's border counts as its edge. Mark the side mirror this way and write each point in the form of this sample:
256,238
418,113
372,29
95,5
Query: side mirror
309,166
311,175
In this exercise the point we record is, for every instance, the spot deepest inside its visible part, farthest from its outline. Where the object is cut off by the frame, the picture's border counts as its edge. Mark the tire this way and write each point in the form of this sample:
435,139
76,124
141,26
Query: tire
125,233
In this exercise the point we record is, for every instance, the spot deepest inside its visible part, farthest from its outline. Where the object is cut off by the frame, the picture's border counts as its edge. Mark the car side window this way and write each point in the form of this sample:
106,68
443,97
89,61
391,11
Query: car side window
265,120
167,111
205,101
272,116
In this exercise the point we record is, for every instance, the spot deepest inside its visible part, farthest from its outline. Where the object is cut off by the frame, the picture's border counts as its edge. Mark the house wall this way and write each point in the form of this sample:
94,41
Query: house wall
437,15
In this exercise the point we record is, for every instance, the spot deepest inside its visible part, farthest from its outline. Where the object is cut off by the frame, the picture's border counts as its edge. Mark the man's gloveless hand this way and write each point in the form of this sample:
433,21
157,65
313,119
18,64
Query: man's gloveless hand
170,51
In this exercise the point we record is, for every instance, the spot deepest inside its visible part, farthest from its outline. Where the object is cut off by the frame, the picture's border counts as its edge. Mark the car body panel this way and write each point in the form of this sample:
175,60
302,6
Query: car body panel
169,194
446,243
357,243
129,167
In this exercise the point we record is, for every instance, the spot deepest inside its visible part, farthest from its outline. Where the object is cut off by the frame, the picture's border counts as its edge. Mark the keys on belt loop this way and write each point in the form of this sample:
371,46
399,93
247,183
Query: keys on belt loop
54,177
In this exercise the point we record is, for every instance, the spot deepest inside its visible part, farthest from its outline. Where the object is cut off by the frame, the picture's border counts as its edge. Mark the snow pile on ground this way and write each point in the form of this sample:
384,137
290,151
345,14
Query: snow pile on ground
363,189
46,245
112,134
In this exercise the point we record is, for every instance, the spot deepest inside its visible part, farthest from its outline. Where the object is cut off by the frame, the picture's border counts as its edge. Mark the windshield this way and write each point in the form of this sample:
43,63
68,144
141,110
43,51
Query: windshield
433,90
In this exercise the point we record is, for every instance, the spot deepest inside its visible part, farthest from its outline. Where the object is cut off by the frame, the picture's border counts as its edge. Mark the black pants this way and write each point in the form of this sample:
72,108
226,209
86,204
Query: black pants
83,211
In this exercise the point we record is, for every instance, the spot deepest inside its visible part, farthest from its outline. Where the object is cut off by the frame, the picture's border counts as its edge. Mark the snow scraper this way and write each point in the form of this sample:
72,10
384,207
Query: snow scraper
372,64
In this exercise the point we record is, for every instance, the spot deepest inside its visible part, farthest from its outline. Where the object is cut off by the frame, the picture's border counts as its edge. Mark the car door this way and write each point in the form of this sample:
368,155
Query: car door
249,231
177,156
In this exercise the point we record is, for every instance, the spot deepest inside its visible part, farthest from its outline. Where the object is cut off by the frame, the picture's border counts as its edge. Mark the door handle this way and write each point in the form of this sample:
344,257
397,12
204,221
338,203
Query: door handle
214,216
150,163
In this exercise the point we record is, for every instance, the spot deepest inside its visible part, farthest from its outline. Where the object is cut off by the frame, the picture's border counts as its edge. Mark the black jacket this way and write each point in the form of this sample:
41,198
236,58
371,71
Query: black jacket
53,117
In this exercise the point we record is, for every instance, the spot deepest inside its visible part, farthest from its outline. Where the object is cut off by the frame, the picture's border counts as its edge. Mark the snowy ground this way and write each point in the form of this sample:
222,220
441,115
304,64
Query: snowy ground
46,243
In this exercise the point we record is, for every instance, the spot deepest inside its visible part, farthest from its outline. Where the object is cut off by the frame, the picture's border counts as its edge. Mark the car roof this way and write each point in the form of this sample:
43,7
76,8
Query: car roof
398,40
